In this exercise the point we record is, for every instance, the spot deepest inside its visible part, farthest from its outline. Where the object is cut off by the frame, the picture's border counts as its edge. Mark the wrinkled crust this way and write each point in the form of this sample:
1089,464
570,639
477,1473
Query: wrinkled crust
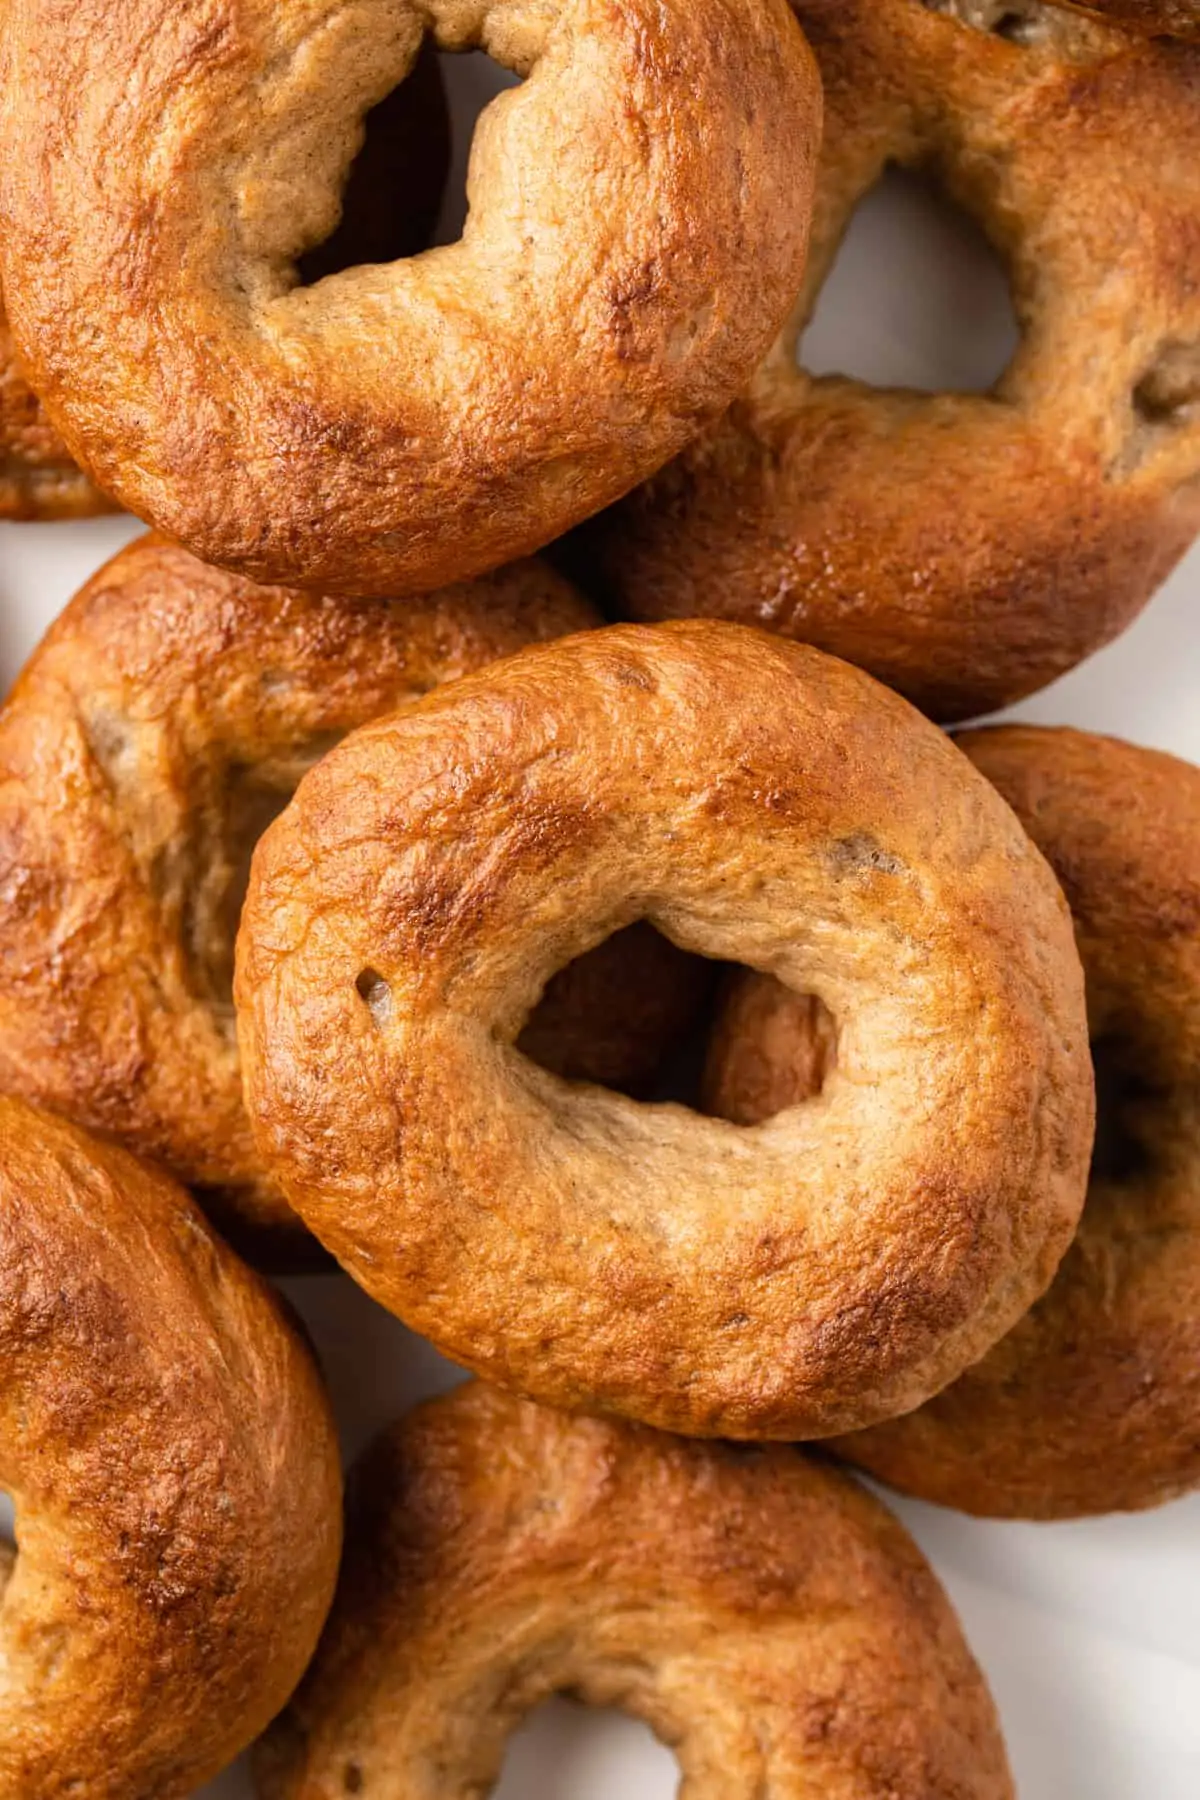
1090,1405
165,719
396,427
38,479
389,208
174,1468
763,1615
966,549
758,803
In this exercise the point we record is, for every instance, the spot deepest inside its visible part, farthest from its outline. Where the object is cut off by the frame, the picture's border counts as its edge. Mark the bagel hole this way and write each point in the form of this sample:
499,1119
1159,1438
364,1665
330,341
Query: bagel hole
627,1015
773,1049
395,186
1120,1155
1168,395
1017,29
472,81
565,1751
203,876
376,995
8,1541
941,322
407,188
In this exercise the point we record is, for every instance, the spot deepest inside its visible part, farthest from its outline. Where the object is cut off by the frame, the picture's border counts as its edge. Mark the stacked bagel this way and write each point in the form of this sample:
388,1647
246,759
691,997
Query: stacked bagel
497,835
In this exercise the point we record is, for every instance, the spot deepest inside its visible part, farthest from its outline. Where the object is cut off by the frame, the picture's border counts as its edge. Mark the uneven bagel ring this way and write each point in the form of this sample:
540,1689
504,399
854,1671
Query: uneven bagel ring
1092,1404
169,714
499,1553
965,548
174,1469
757,802
395,428
406,152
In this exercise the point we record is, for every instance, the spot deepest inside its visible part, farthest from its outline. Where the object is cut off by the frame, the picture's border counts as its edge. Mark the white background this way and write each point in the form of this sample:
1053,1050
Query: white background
1089,1633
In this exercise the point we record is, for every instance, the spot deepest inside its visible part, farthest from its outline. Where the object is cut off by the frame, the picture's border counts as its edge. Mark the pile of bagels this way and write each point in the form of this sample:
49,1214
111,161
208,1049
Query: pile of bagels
499,832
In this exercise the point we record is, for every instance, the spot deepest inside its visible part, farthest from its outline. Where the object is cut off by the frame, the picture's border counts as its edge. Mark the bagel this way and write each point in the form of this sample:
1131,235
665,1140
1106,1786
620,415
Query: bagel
755,801
1090,1405
166,716
965,548
395,428
174,1470
762,1614
406,150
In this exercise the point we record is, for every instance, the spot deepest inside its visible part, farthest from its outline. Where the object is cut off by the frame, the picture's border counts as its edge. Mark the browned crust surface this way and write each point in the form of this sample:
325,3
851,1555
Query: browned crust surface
38,479
174,1468
765,1616
168,714
758,802
623,270
1092,1404
966,549
389,209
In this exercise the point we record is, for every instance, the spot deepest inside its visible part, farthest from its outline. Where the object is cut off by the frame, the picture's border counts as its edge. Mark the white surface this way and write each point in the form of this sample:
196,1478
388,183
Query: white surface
1090,1633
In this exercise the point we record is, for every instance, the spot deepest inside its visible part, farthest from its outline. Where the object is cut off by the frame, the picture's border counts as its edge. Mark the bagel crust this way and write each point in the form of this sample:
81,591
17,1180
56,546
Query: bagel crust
167,716
406,156
174,1469
965,548
38,479
765,1616
1091,1405
757,802
395,427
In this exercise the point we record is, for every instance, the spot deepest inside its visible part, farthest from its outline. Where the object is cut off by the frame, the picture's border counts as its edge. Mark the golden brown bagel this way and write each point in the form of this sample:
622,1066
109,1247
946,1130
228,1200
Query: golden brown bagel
174,1469
623,268
1091,1404
762,1614
756,801
165,718
966,548
389,209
